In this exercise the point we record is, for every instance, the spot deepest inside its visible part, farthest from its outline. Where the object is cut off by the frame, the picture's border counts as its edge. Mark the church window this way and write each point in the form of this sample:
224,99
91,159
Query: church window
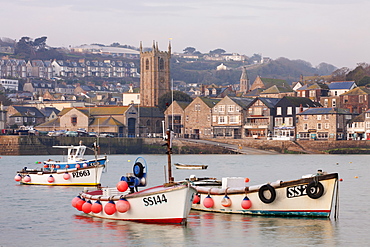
161,63
147,64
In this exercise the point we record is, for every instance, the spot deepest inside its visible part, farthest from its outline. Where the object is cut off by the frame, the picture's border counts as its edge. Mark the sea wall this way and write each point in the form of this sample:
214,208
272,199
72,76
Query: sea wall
43,145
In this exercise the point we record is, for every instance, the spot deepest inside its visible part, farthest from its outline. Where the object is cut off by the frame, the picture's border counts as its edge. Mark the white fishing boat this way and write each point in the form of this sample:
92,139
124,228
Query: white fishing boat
167,203
75,171
313,195
190,167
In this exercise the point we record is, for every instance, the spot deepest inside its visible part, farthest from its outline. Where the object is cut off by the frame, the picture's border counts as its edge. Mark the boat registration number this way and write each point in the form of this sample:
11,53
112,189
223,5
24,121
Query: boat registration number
154,200
295,191
79,174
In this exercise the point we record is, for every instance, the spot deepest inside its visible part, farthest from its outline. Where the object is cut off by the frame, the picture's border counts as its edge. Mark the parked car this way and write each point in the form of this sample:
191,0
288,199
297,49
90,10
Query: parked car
57,133
93,134
105,135
72,133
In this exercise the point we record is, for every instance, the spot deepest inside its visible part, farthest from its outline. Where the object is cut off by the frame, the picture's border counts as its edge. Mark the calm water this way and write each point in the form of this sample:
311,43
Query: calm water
43,215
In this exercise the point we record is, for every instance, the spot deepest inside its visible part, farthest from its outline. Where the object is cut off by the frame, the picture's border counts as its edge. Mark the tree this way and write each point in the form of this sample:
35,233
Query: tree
217,51
189,50
165,100
364,81
339,74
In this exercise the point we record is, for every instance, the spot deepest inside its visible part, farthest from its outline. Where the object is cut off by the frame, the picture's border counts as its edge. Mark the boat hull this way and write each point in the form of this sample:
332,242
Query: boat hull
169,205
89,176
290,199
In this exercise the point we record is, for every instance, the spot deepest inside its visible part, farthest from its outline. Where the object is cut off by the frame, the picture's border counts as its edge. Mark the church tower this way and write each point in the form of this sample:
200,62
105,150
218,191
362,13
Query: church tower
154,74
244,82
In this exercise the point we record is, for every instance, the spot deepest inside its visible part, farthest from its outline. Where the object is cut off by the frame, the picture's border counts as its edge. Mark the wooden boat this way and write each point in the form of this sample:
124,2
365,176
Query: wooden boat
168,203
309,196
75,171
190,167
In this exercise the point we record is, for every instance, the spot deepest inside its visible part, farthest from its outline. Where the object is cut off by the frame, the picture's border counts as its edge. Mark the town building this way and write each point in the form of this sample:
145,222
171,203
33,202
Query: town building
9,84
356,100
175,117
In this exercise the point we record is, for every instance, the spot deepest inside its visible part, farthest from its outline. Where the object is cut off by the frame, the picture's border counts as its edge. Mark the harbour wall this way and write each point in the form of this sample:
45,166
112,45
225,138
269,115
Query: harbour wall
43,145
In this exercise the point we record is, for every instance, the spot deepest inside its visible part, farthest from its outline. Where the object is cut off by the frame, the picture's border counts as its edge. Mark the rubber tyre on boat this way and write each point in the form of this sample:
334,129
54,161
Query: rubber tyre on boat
261,194
315,190
138,170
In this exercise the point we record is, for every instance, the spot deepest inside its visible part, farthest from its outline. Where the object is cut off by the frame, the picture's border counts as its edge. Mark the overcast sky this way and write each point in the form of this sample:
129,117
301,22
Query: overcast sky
332,31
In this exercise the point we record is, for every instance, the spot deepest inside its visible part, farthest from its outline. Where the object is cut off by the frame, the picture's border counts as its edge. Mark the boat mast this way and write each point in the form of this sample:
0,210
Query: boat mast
169,152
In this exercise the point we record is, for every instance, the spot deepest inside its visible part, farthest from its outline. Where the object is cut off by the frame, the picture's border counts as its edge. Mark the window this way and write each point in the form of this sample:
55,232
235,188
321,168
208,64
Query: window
278,110
288,121
73,121
305,126
221,119
289,110
147,64
221,108
231,108
305,117
187,117
18,119
319,126
326,103
278,121
318,117
327,125
208,118
334,103
234,119
197,107
214,119
161,63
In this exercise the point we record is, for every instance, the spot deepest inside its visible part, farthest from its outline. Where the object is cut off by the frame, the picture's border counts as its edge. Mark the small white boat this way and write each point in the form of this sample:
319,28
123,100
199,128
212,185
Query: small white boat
311,196
75,171
169,203
190,167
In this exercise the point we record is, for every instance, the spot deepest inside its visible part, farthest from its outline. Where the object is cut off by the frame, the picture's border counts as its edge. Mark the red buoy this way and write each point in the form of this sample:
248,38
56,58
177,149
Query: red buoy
75,200
57,166
196,199
78,166
79,204
110,208
246,180
67,166
122,205
85,165
226,201
18,177
96,207
27,179
66,176
208,202
246,203
122,186
86,207
51,179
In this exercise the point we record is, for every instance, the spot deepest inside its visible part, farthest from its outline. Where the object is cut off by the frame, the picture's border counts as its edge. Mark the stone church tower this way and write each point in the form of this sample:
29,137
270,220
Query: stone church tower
244,82
154,75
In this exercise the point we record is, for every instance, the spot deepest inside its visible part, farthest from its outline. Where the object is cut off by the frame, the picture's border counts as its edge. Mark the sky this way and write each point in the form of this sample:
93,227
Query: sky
316,31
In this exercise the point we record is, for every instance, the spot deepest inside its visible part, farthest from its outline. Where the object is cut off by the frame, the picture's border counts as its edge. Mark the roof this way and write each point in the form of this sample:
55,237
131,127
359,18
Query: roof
301,101
243,102
210,102
52,123
359,118
322,111
269,102
47,111
337,85
105,122
183,104
269,82
254,93
358,91
98,111
276,89
28,111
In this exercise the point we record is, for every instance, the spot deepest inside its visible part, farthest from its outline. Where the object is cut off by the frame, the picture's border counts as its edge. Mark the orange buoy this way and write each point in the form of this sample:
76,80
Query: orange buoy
96,207
77,166
122,205
80,203
246,203
85,165
246,180
341,179
196,199
27,179
208,202
110,208
51,179
66,176
46,166
86,207
122,186
75,200
67,166
18,177
57,166
226,201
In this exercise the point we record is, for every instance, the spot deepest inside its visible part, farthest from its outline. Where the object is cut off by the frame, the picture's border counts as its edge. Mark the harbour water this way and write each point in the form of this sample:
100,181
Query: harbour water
43,215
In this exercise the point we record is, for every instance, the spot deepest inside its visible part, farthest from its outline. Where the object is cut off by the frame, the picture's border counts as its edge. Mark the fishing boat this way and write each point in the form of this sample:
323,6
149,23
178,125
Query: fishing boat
75,171
314,195
169,203
190,167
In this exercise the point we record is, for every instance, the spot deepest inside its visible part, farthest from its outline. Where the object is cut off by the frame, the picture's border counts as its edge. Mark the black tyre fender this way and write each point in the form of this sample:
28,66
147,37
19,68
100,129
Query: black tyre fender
262,195
138,170
315,190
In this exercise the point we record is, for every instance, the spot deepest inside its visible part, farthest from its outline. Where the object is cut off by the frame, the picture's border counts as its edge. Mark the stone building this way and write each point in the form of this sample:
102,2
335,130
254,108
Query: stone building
174,117
154,75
